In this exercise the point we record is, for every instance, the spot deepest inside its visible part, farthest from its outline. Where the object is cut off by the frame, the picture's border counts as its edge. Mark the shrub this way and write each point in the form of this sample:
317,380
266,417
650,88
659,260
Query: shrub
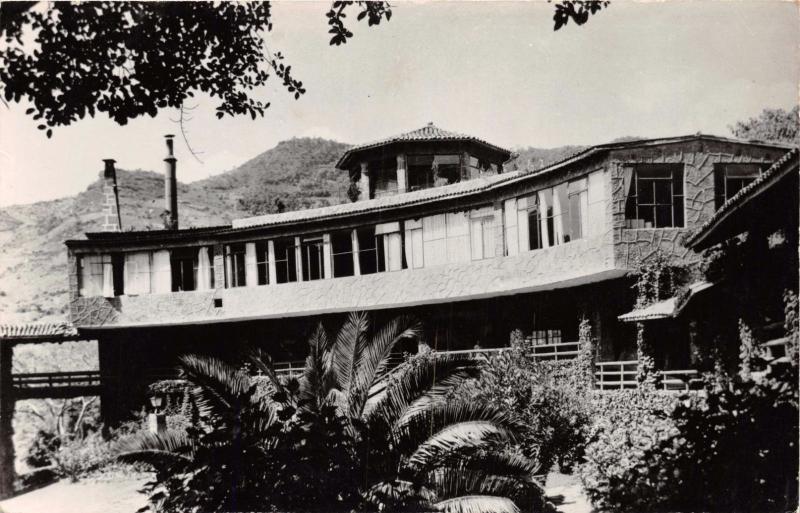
76,457
732,448
628,424
40,453
551,399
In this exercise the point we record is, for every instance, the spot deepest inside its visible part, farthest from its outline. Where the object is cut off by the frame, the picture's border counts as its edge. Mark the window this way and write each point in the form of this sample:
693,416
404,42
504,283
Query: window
235,272
285,261
655,196
262,262
482,234
183,263
383,176
371,257
311,258
731,178
137,272
534,223
425,170
578,208
96,276
413,247
342,250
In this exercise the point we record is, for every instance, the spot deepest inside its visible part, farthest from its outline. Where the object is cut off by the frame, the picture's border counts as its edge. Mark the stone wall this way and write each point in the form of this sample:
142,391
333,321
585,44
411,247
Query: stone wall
632,246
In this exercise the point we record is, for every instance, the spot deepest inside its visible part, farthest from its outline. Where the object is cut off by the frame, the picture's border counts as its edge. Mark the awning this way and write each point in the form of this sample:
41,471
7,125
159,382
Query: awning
667,308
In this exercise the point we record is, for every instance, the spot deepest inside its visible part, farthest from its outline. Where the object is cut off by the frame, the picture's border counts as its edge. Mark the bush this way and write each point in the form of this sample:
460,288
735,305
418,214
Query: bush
550,398
40,453
732,448
77,457
628,424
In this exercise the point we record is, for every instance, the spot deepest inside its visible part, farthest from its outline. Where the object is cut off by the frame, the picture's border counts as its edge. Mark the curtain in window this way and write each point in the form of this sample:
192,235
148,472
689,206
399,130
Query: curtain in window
108,280
250,265
510,216
137,273
596,198
458,237
413,244
204,269
434,239
477,238
560,213
91,275
627,180
162,272
393,251
544,206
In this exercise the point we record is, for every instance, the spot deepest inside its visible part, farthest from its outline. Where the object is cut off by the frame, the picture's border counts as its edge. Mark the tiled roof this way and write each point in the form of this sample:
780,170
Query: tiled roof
766,179
667,308
38,330
638,143
461,189
464,188
158,234
430,132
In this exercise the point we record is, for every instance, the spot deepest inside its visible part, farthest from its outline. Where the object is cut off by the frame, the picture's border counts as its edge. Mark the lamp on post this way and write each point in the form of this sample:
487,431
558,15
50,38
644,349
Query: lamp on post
156,421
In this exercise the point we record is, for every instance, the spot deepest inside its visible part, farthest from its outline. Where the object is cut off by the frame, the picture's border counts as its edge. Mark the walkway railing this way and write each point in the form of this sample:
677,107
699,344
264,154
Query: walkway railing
56,379
677,379
616,375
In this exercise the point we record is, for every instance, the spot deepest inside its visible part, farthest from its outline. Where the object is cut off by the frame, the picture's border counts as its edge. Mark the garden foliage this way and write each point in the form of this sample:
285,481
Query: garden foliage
551,399
350,434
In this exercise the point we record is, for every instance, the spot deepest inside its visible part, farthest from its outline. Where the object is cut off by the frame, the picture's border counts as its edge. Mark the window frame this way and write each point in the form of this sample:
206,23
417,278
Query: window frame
235,265
285,259
677,199
307,244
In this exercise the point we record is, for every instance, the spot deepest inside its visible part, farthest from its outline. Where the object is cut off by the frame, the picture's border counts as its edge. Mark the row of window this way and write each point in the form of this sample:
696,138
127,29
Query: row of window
654,192
548,217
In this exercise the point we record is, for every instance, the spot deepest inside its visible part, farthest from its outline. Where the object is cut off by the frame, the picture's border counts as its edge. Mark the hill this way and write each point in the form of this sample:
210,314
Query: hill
299,172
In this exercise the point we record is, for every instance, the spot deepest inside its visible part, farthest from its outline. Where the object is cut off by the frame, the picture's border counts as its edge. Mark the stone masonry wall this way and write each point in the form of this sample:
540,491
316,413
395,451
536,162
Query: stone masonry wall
632,246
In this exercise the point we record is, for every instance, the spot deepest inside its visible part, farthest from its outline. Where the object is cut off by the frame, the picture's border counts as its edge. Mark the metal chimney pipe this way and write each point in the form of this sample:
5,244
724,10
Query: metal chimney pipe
170,186
112,218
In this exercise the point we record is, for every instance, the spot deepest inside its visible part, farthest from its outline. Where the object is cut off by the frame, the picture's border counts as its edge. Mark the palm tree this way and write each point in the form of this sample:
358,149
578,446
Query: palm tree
402,441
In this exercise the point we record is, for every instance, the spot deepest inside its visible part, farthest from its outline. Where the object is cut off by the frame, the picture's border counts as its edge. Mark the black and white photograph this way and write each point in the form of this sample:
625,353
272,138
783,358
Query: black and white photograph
530,256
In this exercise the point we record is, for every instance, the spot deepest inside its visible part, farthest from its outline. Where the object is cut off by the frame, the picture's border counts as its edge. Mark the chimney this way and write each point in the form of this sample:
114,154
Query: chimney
170,187
112,220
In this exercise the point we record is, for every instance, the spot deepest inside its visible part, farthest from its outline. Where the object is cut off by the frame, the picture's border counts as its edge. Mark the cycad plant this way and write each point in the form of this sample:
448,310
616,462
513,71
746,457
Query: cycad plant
349,434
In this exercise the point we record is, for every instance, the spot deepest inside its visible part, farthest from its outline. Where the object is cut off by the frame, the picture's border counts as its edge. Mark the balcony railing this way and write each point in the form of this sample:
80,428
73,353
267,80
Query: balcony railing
617,375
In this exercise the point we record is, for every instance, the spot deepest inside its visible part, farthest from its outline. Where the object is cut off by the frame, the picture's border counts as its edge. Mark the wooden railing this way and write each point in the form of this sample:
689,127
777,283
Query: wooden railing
558,351
677,379
56,379
616,375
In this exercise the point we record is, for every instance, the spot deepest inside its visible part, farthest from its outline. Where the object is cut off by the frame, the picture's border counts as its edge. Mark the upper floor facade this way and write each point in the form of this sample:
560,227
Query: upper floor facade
421,159
590,218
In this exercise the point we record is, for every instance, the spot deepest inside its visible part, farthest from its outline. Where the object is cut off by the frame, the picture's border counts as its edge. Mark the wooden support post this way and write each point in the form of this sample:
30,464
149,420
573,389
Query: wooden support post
6,417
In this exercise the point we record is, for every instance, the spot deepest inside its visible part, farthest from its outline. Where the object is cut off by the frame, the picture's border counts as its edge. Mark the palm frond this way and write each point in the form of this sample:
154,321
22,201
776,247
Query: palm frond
155,449
415,381
220,389
457,439
263,362
349,338
450,482
317,381
372,358
477,504
497,463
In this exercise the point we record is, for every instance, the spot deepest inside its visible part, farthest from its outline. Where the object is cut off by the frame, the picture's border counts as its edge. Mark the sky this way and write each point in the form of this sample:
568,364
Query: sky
496,70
